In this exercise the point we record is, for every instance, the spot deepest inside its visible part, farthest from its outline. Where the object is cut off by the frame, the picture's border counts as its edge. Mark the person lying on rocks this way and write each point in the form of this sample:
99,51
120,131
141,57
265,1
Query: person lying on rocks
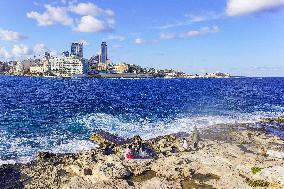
129,152
195,138
143,153
140,151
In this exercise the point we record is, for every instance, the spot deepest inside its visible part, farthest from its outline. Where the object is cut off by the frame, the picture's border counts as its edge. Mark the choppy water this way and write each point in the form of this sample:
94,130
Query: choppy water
58,115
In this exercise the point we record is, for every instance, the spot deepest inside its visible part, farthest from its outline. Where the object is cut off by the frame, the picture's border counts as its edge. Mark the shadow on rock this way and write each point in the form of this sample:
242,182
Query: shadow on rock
10,178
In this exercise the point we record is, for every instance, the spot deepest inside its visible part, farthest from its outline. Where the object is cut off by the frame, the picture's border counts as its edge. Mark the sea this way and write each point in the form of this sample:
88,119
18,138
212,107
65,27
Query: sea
60,114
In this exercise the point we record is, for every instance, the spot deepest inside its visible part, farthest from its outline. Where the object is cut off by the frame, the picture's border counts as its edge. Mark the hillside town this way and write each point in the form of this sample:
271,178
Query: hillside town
73,64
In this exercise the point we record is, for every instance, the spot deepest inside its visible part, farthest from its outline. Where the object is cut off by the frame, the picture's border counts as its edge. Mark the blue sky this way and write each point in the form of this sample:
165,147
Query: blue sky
242,37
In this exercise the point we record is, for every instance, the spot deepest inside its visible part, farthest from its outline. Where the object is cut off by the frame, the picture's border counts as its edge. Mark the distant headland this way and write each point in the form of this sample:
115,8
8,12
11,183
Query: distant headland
73,64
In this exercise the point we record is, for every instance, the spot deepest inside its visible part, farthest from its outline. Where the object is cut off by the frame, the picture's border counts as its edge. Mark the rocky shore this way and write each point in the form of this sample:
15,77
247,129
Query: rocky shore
228,156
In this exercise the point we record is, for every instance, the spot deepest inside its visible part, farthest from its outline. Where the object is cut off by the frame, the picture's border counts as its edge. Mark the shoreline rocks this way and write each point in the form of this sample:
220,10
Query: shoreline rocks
231,157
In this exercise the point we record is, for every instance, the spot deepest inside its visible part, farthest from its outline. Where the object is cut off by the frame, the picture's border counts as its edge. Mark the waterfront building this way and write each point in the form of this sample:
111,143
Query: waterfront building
19,69
103,53
136,69
68,66
41,68
46,55
27,64
106,66
65,53
37,69
77,50
121,68
100,62
12,67
93,64
4,67
217,75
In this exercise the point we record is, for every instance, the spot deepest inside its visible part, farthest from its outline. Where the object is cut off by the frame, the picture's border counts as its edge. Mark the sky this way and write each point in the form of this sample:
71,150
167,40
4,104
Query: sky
242,37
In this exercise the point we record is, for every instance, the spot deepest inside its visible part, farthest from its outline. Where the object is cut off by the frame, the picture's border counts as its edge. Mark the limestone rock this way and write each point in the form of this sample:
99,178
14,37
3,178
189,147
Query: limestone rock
111,168
173,167
80,183
160,183
138,166
275,154
104,138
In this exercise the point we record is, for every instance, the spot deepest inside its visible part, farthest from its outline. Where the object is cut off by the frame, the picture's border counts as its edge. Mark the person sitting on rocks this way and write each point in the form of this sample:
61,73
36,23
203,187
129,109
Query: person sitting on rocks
143,153
109,149
195,137
185,144
129,153
136,149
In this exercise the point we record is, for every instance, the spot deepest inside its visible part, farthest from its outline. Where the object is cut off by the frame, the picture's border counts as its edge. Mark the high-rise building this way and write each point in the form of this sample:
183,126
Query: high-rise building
65,53
47,55
77,50
103,53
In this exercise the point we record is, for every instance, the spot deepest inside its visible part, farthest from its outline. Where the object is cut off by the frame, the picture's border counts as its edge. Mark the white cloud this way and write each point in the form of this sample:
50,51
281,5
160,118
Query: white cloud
92,24
191,33
87,18
168,35
140,41
20,50
90,9
4,53
202,31
7,35
241,7
51,16
40,49
115,37
191,19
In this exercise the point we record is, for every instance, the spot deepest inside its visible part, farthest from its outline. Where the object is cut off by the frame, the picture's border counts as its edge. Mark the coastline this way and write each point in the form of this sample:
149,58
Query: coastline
227,156
123,76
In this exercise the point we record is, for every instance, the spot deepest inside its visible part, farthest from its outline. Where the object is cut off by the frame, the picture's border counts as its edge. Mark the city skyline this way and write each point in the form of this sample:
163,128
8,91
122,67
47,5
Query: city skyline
235,36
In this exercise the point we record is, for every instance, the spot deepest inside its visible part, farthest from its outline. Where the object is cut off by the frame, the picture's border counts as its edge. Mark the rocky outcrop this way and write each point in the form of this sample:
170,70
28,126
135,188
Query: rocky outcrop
241,159
159,183
104,138
173,167
138,166
80,183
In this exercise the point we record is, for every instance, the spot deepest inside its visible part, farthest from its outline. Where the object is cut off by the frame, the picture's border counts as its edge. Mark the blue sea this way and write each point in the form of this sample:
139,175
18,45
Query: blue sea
58,115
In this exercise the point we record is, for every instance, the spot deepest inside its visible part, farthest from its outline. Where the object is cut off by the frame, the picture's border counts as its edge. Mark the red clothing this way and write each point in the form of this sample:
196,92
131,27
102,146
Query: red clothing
130,156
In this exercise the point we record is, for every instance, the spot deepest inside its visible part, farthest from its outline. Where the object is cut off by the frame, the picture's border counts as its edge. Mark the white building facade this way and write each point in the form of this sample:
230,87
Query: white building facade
67,66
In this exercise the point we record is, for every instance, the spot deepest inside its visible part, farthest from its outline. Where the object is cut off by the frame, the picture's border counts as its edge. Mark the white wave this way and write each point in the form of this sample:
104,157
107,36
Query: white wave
22,159
74,146
148,129
24,152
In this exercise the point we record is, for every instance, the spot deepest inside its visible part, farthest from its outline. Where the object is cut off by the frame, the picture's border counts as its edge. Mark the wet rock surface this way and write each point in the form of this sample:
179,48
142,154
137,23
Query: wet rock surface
226,157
